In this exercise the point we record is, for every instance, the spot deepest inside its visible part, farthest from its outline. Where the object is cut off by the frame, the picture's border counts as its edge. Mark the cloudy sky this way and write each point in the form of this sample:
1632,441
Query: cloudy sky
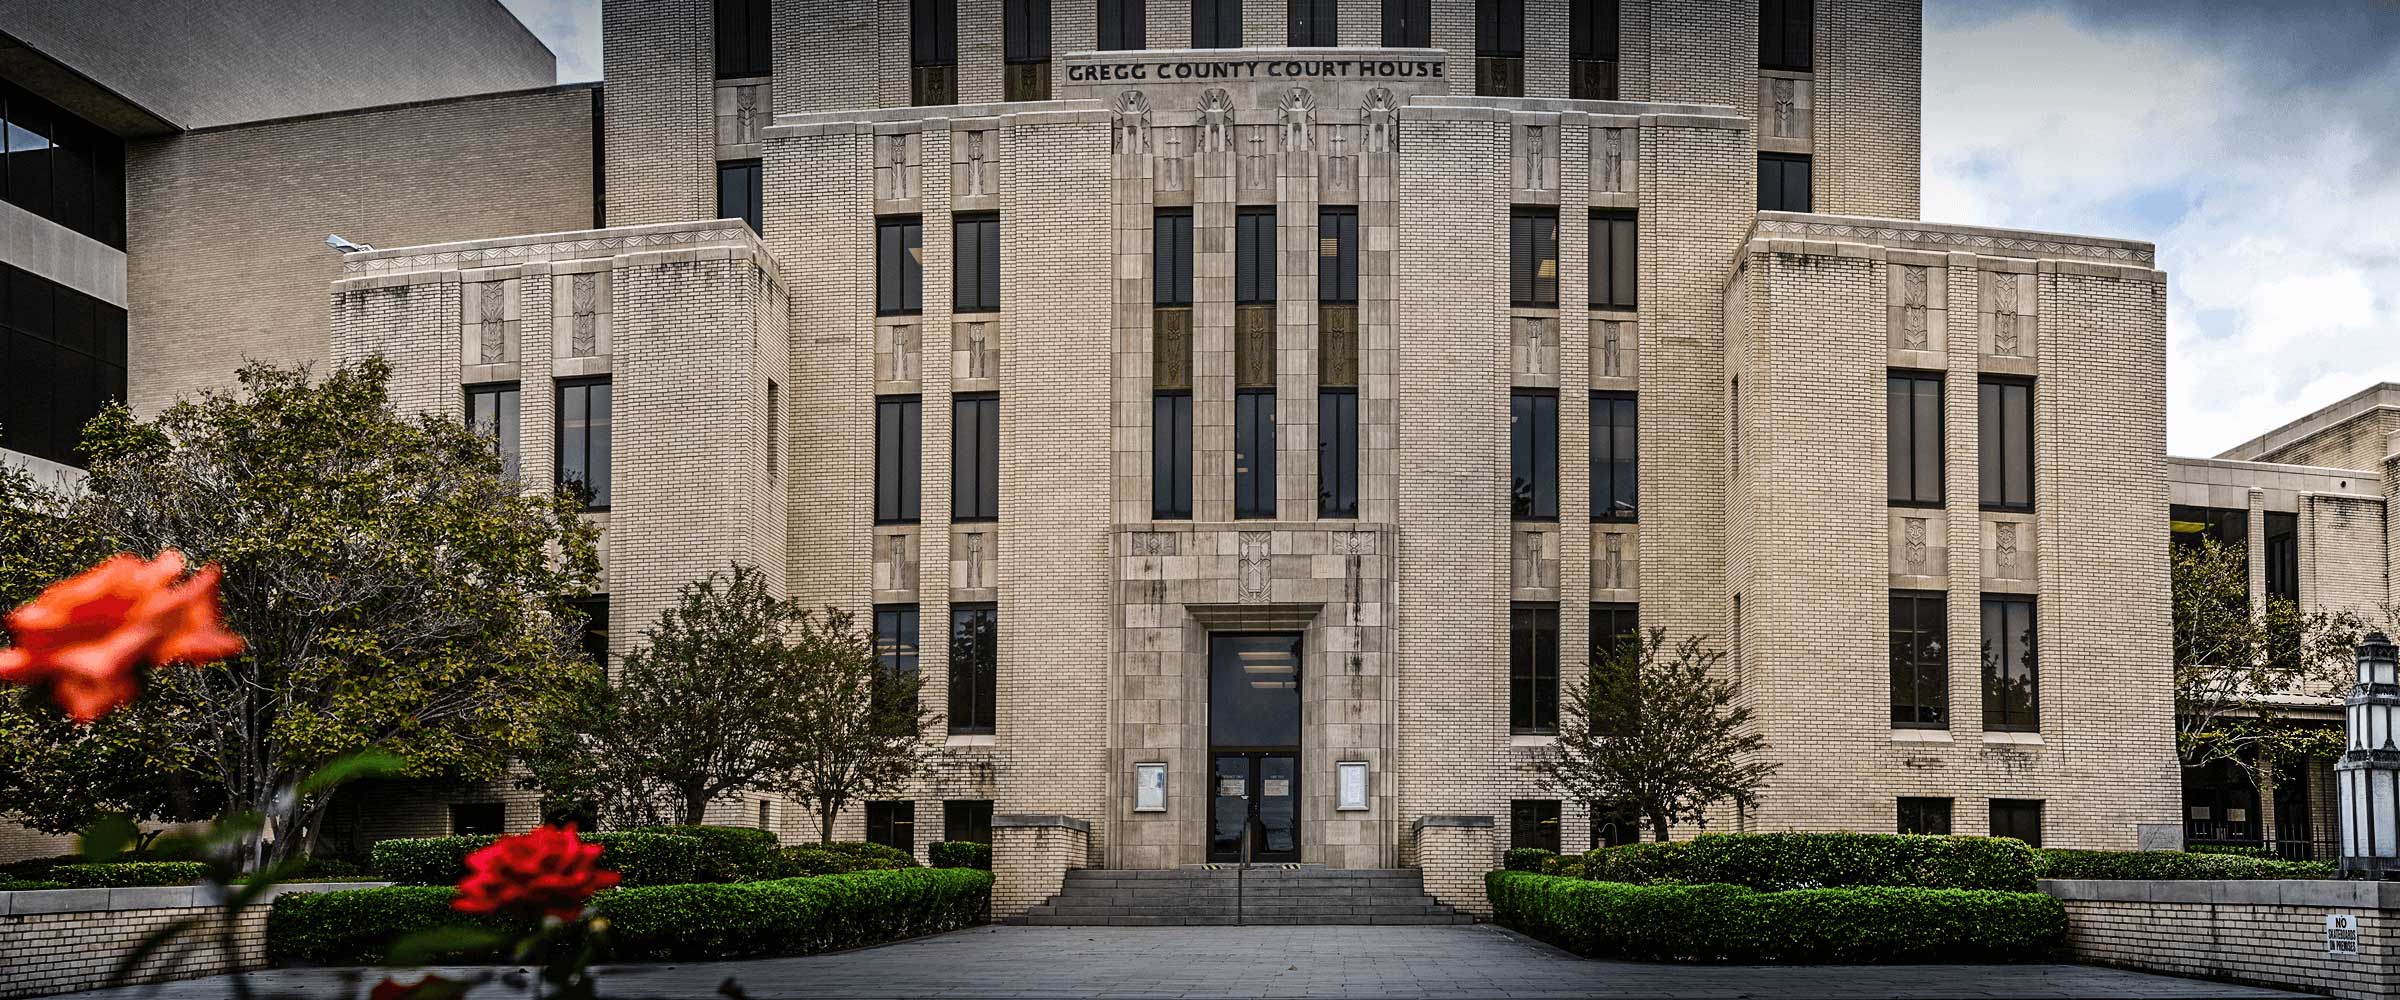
2257,143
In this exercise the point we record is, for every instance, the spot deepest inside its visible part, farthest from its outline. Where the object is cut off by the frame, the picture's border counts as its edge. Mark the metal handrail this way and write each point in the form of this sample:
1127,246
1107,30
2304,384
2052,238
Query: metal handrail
1242,873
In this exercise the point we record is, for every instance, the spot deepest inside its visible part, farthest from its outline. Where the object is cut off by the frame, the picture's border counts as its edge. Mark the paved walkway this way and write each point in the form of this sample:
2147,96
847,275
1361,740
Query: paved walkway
1142,962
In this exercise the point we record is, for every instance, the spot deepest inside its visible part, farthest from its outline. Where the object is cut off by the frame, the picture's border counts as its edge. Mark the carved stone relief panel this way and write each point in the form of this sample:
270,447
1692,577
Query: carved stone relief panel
1337,345
897,174
899,354
1216,122
1917,312
1533,567
1786,105
2009,550
488,324
1171,350
1379,118
1616,349
895,572
1535,158
974,561
975,168
1536,350
1616,562
1131,113
975,354
1339,171
1296,121
2006,314
580,315
1616,170
1920,547
1254,347
742,107
1255,569
1171,171
1254,149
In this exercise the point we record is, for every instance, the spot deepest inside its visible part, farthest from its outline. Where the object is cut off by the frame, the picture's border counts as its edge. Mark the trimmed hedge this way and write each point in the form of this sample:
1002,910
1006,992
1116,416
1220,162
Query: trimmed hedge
959,854
1530,859
2114,865
727,853
126,874
30,885
639,858
667,923
1771,862
841,857
1730,923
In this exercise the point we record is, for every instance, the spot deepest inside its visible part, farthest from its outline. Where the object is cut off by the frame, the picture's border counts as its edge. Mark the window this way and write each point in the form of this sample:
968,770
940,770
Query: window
1920,660
1616,457
1614,627
898,437
2019,818
1925,815
1533,668
899,266
2011,684
1025,34
933,51
1786,34
1337,452
1313,23
595,628
1337,362
1913,438
1533,257
1533,455
1171,257
1216,24
1254,256
969,820
478,819
1615,824
1254,453
1337,255
1592,45
1783,184
2283,555
1617,646
1533,823
896,640
1171,455
774,432
1500,48
62,358
1123,25
2227,526
975,263
1616,252
745,41
57,166
1407,24
974,668
492,413
1171,374
975,458
583,440
2005,412
893,824
741,193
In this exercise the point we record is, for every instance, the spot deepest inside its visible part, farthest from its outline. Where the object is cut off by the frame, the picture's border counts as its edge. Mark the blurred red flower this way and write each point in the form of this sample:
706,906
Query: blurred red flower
432,987
86,635
547,871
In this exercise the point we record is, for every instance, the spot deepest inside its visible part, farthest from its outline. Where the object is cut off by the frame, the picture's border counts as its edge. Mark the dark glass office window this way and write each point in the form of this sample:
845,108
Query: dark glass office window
1615,824
2283,555
1313,23
774,431
1783,183
974,668
1254,256
2011,682
1337,453
1216,24
1925,815
899,436
1337,254
62,358
1171,456
60,167
1913,438
2005,415
1533,668
1500,28
1616,257
969,820
2019,818
1254,453
1171,257
492,412
975,263
478,819
1592,30
1533,823
896,639
1407,24
1786,34
1615,628
2229,526
1123,25
741,193
1025,27
1533,257
745,39
594,637
1533,455
933,32
1616,457
893,824
975,458
1920,660
899,266
583,440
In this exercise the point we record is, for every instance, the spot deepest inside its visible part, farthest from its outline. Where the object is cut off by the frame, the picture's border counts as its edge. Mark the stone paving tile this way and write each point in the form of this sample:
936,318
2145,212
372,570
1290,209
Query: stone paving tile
1196,963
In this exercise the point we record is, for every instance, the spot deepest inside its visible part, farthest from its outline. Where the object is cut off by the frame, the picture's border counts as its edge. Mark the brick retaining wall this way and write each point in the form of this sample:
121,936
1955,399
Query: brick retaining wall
2270,933
62,940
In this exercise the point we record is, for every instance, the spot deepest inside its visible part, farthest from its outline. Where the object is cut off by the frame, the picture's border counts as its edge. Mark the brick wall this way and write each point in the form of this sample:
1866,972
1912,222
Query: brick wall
2267,933
59,941
1031,855
1453,853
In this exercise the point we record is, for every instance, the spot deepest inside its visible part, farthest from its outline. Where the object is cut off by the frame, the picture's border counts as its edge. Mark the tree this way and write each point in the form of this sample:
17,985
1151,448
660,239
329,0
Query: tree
395,589
1662,735
859,727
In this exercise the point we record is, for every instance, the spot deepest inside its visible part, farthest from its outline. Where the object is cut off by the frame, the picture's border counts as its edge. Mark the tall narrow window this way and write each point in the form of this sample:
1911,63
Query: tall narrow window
1216,24
594,637
969,820
1171,455
2283,555
1254,364
898,433
1313,23
2011,682
899,266
774,431
1337,255
893,824
1786,34
1913,438
1615,627
741,192
1407,24
2019,818
1171,257
1533,823
492,413
2004,408
1533,669
1616,457
1337,452
62,360
1616,640
975,458
1920,660
1783,183
974,668
745,41
1616,264
1337,362
1500,48
1123,25
1171,365
1615,824
1254,453
1925,815
1025,31
1592,49
1254,256
583,440
975,263
933,51
1533,257
896,641
1533,455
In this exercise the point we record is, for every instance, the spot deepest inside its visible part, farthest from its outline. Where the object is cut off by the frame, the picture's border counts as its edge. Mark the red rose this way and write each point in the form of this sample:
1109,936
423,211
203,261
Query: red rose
86,635
548,870
432,987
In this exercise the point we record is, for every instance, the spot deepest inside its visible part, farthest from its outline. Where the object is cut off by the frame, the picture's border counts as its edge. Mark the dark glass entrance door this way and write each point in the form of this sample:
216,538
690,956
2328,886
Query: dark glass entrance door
1254,742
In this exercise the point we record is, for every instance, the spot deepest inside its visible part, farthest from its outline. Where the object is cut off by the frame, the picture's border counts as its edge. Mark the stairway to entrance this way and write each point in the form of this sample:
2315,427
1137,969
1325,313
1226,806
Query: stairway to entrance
1225,894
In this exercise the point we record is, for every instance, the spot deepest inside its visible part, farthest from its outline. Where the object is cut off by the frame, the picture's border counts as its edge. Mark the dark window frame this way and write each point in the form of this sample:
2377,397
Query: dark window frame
1025,27
1533,659
1171,257
1617,491
933,33
1312,24
74,177
1926,815
968,816
975,464
1616,256
1216,24
1533,454
62,361
1171,455
745,196
1337,227
1592,32
1254,458
1919,633
1254,263
899,641
1995,488
899,265
2018,812
1123,26
594,500
745,40
1407,24
974,674
1500,29
899,459
1532,240
2281,551
1904,448
1337,452
2000,713
1787,35
893,823
1793,181
975,249
1534,823
508,413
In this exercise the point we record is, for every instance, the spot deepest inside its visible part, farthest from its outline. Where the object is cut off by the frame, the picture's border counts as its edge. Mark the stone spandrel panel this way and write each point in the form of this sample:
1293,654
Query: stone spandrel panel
899,178
2007,316
488,327
1616,554
1920,556
1616,347
899,354
896,553
975,174
1786,111
2009,553
1534,351
975,354
1918,313
581,320
975,561
1533,561
1533,158
743,106
1616,175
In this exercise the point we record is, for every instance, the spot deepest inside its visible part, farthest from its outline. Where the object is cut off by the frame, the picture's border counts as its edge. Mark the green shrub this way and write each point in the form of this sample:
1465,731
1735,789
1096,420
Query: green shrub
1730,923
638,858
30,885
841,857
1771,862
357,926
2057,863
727,853
864,849
127,874
1530,859
960,854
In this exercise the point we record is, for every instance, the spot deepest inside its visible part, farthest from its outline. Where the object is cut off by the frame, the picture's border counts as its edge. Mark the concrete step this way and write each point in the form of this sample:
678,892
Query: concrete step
1194,895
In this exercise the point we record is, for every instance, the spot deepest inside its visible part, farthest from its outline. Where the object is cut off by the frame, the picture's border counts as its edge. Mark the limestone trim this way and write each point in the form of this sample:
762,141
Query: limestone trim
553,246
1991,242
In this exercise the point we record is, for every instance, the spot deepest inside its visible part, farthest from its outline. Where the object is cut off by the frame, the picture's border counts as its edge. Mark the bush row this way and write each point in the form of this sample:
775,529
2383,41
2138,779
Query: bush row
668,922
960,854
638,858
2058,863
1731,923
841,857
1772,862
72,872
727,853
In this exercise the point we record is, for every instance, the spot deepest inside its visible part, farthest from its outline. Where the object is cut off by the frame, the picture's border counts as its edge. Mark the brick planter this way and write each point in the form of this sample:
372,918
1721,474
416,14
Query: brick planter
62,940
2270,933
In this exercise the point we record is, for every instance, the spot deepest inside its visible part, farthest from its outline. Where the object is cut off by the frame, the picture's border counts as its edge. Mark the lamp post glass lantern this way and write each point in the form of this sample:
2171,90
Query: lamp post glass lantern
2369,772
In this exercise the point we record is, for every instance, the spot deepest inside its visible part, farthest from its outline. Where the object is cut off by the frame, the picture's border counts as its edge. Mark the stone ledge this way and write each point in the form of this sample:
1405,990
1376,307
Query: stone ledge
164,897
1453,821
1043,819
1984,240
2236,892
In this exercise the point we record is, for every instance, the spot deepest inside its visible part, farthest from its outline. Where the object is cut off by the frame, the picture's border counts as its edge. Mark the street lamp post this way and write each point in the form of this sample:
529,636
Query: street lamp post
2369,772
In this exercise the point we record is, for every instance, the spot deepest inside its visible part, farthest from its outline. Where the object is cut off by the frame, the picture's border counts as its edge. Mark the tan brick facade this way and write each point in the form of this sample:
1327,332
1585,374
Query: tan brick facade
2269,933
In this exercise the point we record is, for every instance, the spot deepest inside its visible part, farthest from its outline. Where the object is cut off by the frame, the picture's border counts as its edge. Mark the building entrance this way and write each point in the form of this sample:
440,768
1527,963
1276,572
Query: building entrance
1254,745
